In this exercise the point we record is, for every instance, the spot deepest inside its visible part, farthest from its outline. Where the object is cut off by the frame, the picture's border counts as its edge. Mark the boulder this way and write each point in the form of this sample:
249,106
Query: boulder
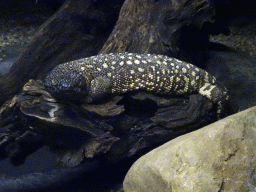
218,157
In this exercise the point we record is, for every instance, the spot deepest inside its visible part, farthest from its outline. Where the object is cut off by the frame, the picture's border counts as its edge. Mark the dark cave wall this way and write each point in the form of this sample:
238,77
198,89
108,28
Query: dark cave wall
244,7
21,7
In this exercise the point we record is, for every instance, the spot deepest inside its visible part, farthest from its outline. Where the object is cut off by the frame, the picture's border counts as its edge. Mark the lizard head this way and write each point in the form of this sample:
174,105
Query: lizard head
65,82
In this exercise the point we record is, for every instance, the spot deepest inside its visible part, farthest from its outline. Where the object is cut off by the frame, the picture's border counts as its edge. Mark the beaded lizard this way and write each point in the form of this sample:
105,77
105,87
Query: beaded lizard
93,78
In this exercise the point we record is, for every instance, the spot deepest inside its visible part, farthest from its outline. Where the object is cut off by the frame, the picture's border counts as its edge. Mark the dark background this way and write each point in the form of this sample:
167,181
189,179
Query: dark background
20,7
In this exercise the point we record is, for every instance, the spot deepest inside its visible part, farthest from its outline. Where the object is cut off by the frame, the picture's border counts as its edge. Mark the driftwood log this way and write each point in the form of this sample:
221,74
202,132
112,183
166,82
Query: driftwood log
123,127
165,27
128,125
80,29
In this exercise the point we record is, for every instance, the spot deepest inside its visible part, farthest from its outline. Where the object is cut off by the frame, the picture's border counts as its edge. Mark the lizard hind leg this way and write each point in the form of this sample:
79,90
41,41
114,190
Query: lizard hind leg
100,88
217,93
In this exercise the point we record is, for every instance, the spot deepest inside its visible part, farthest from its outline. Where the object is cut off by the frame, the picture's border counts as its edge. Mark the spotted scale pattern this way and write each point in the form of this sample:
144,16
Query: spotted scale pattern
94,77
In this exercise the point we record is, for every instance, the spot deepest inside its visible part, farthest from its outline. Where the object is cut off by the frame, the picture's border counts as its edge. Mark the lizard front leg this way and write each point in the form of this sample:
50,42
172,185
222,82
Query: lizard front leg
99,88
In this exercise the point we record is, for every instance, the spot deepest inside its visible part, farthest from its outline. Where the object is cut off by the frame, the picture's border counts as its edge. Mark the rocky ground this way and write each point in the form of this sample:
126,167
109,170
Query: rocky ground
15,34
17,30
242,37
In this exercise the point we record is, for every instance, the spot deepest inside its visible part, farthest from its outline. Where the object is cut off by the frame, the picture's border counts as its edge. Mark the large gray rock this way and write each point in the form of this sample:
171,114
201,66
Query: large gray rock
218,157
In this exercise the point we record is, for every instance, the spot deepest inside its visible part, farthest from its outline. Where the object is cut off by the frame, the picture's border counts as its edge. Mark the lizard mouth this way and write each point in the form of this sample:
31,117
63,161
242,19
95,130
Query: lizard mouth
66,88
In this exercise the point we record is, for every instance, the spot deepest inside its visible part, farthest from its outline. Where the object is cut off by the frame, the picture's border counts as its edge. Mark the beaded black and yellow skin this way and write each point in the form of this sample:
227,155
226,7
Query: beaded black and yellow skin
92,78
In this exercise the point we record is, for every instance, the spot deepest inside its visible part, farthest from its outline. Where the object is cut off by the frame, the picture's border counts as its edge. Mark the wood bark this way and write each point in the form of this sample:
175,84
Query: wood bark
124,127
175,28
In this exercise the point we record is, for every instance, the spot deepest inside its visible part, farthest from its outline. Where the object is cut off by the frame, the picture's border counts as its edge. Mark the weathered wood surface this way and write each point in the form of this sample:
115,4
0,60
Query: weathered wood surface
175,28
138,122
